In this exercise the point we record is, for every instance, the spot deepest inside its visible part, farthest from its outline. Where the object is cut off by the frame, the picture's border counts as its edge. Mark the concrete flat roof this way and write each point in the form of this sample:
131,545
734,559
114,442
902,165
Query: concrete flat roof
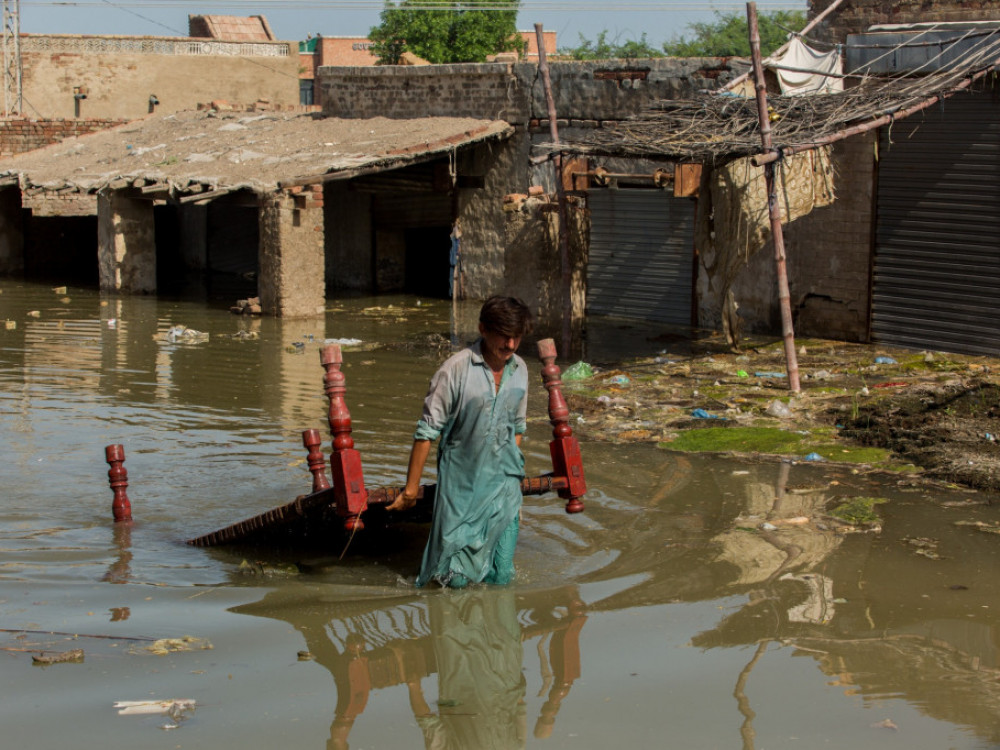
185,153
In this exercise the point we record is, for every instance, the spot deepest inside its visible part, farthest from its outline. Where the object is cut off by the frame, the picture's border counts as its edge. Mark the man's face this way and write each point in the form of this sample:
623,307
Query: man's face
498,347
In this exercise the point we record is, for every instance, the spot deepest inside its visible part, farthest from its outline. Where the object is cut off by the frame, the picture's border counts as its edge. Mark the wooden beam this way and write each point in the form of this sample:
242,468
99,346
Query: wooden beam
210,195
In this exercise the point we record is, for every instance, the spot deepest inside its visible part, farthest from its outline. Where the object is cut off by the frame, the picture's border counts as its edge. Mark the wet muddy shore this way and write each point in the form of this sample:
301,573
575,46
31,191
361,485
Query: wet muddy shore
929,415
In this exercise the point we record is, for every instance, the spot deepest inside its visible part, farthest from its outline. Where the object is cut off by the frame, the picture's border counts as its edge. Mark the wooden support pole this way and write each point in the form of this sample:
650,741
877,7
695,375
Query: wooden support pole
121,508
557,160
773,206
345,461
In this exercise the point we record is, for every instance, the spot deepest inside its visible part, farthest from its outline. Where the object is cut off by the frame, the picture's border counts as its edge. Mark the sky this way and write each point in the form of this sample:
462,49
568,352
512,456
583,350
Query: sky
624,20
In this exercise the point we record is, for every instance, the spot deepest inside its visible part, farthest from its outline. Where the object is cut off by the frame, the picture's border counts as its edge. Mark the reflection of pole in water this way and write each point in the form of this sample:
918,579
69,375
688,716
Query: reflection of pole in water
354,684
743,703
779,489
120,570
564,659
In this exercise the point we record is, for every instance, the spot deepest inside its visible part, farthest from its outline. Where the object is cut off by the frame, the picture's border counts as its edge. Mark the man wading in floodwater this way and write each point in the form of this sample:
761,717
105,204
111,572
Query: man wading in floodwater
477,405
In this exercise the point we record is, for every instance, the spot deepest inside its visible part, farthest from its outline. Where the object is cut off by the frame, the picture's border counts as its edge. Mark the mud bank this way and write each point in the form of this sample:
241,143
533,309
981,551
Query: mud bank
930,414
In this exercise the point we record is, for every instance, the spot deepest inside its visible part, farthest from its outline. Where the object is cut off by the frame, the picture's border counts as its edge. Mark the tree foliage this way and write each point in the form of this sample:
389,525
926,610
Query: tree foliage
727,35
602,49
445,32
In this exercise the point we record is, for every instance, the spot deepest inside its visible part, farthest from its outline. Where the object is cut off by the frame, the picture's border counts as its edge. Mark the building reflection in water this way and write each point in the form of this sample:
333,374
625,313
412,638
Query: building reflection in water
472,641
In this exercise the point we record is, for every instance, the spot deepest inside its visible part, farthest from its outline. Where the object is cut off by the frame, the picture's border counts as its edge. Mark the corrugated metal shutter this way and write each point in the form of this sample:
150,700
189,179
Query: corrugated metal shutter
937,246
641,255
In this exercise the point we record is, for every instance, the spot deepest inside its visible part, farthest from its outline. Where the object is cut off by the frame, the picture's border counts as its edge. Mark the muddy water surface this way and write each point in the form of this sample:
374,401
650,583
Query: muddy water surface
663,616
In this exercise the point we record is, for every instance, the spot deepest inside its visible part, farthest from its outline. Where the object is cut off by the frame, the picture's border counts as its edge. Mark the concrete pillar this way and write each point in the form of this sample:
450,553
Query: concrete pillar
126,243
11,231
193,221
292,282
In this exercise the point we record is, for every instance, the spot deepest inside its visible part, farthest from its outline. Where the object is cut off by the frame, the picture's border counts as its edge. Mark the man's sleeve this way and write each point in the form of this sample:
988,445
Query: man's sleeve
440,403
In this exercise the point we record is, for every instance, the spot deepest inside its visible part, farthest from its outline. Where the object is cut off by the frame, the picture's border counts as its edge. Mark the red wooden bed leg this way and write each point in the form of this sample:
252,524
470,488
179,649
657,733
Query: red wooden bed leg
312,440
565,450
345,461
118,479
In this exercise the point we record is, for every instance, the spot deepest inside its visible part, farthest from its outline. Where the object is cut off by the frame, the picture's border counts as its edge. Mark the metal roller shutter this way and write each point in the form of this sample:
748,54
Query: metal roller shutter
937,247
641,255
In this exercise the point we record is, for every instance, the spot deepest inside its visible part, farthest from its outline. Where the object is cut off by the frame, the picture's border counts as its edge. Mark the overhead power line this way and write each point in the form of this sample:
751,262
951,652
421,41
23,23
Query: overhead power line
568,6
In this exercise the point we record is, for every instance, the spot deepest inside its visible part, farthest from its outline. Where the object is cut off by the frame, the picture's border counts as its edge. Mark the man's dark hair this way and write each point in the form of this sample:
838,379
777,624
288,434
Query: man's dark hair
508,316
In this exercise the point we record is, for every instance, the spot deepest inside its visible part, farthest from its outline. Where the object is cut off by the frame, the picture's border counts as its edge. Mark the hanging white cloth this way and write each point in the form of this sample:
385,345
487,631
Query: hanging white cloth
819,66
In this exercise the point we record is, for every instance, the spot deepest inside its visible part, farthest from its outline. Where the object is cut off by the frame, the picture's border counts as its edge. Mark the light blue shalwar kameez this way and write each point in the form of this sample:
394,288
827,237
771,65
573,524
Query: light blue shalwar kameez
480,468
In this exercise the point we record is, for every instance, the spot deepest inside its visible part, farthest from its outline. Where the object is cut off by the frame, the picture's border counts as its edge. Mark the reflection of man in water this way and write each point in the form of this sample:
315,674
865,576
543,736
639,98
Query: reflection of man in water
477,646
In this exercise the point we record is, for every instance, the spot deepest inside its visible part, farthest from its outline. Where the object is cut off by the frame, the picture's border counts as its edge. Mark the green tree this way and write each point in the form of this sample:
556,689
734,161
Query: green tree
602,49
446,32
727,35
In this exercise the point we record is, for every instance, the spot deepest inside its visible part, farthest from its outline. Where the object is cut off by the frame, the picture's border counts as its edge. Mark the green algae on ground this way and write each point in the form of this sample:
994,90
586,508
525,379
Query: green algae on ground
741,439
776,441
859,511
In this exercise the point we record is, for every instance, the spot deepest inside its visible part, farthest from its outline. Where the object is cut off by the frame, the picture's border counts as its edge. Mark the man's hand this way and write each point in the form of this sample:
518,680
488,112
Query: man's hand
405,500
418,457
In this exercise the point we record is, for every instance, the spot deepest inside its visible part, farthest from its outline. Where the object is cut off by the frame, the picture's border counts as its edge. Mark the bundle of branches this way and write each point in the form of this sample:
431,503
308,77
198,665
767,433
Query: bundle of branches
718,128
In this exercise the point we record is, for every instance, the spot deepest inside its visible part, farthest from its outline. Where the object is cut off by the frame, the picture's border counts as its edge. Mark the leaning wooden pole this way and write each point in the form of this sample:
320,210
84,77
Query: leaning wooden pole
567,286
773,206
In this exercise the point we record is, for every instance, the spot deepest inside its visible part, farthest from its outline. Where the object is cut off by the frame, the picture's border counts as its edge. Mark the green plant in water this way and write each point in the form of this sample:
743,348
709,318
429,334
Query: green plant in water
859,511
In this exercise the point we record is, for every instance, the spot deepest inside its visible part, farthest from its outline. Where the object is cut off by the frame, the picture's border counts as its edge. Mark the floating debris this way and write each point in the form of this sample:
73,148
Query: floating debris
924,547
885,724
184,335
176,708
859,511
989,528
185,643
64,657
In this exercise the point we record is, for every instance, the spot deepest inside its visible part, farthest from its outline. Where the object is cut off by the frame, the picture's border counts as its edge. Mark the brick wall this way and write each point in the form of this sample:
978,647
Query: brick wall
855,16
19,134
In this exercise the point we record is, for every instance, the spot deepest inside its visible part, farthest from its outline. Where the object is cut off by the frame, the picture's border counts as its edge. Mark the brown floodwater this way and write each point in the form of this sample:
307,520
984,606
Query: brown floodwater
666,615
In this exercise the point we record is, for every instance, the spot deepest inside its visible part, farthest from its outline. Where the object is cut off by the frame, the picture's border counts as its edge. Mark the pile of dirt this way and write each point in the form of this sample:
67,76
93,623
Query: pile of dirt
950,430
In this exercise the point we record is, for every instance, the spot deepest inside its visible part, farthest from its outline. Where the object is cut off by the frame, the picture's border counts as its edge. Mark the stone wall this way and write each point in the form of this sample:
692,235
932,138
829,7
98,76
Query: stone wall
20,134
855,16
828,255
118,75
